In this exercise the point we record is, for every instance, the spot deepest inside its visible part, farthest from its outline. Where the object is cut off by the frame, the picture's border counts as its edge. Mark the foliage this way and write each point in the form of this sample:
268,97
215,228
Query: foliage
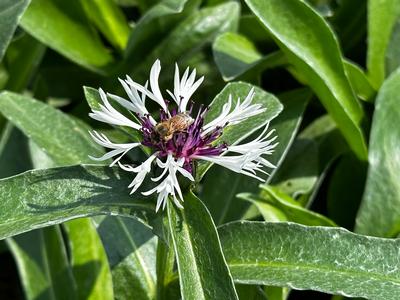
326,73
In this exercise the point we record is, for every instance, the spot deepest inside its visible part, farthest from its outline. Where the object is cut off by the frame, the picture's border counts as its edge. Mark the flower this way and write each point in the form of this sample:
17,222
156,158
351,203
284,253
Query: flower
179,138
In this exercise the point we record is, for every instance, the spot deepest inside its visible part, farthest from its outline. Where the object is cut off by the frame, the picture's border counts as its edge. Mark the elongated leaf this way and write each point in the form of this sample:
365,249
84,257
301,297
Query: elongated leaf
153,23
23,57
236,133
203,273
286,125
63,138
234,54
165,268
37,199
194,32
89,261
14,155
132,257
379,213
10,13
382,16
331,260
393,49
345,190
292,209
312,48
109,19
359,81
43,265
63,27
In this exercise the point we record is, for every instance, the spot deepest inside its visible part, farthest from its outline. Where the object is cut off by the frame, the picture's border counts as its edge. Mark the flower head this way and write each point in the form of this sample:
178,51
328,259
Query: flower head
178,137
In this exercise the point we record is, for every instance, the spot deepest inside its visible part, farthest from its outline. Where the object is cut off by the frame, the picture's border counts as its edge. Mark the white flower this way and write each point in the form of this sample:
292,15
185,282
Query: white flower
176,152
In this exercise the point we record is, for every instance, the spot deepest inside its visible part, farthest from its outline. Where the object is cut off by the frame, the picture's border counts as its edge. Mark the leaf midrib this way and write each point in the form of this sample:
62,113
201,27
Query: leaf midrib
150,283
326,269
192,255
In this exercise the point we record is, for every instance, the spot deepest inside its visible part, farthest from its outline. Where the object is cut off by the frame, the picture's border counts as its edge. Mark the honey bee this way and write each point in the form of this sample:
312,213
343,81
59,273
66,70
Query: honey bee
177,123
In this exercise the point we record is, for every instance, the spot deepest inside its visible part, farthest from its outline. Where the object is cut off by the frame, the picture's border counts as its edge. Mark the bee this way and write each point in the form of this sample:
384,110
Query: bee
177,123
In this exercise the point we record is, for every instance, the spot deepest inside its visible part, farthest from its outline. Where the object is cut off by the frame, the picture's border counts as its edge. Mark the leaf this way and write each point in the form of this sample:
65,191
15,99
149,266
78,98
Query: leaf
14,155
23,58
382,15
10,13
393,50
234,54
153,23
288,206
41,198
65,140
235,133
132,257
43,264
359,81
379,213
312,48
299,171
194,32
110,20
63,27
89,261
203,273
345,190
326,259
286,125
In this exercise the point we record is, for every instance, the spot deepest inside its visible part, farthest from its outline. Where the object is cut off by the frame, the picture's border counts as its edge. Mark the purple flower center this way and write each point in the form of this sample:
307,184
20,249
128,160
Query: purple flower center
181,135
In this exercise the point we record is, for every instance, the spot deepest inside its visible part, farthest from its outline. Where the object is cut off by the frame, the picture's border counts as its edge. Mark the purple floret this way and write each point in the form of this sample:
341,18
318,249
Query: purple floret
186,143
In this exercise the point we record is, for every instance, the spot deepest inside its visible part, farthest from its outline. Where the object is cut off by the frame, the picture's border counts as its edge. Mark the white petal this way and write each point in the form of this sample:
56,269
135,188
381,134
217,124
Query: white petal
184,87
169,186
141,170
155,88
110,115
241,112
118,149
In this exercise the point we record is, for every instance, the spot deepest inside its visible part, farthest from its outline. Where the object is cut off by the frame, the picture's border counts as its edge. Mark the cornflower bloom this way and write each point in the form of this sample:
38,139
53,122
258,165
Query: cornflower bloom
179,137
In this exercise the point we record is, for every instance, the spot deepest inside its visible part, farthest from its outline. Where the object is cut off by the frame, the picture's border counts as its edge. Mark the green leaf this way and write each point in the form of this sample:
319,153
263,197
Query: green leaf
235,133
359,81
110,20
63,27
379,213
194,32
288,206
61,137
286,125
89,261
41,198
299,171
345,190
14,154
94,100
23,58
43,264
203,273
153,23
393,50
312,48
10,13
234,54
132,257
326,259
382,16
